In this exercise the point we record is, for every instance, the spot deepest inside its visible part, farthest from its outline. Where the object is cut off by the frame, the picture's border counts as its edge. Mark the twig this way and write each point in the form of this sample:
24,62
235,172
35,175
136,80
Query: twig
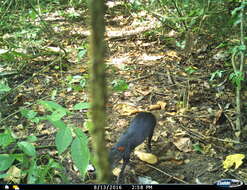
140,78
161,19
170,79
180,14
183,78
46,147
34,75
224,140
7,74
199,136
173,177
203,137
12,114
230,121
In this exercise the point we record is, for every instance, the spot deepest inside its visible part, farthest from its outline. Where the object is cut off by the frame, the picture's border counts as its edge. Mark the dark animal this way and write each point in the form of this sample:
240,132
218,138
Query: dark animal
141,127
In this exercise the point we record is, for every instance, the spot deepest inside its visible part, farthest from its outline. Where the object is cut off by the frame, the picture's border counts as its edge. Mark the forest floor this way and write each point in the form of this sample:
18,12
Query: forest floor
195,115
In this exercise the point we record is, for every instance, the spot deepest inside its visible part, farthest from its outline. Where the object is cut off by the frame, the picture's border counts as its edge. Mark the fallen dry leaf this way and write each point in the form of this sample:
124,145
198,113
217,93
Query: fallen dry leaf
125,109
177,162
219,118
182,110
116,171
14,175
154,107
159,105
179,133
183,144
146,157
144,91
233,159
162,104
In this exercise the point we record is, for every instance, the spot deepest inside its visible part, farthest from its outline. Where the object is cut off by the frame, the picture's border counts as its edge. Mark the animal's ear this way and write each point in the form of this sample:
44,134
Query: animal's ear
121,148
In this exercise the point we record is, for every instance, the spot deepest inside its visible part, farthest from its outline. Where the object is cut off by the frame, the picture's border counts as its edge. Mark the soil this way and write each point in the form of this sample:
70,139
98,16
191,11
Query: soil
194,129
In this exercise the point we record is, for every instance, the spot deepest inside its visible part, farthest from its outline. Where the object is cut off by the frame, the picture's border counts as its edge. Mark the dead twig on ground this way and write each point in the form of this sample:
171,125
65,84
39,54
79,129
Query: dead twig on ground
169,175
227,117
140,78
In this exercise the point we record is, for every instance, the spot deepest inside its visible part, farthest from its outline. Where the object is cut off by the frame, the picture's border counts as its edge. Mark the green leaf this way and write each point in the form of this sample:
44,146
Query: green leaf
20,54
19,157
4,88
79,133
27,148
80,152
32,138
81,53
57,110
215,74
6,161
33,173
236,10
8,56
190,70
32,15
56,115
120,85
88,124
63,139
58,124
4,175
83,83
197,148
82,106
29,114
6,138
237,78
53,164
53,106
53,94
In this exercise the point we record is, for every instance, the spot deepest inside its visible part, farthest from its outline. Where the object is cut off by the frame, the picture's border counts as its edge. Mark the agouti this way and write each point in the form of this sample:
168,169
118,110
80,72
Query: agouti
141,127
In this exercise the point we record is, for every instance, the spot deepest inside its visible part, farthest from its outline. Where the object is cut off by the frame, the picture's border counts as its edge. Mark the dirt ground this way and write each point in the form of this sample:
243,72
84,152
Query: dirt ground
190,141
155,69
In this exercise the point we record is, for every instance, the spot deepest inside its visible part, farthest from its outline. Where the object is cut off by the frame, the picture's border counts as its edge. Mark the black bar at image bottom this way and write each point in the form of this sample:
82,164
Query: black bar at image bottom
115,187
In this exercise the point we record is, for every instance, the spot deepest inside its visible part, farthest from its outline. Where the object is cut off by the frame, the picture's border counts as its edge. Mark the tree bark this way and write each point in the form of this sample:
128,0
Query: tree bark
98,90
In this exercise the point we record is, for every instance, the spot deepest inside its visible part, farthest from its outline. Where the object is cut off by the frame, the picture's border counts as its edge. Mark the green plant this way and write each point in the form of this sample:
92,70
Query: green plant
119,85
190,70
237,78
238,61
134,5
82,52
76,82
41,173
24,163
82,106
4,87
197,148
216,74
68,138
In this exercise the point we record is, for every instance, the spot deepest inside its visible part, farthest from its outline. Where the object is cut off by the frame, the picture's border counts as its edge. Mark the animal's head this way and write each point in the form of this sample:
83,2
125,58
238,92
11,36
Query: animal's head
116,154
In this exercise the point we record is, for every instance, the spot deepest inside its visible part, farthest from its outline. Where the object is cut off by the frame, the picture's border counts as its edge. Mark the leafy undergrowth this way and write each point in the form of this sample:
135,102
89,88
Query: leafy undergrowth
145,71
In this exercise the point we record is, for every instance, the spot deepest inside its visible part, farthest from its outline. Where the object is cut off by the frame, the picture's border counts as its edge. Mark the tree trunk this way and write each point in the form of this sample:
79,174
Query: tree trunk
98,90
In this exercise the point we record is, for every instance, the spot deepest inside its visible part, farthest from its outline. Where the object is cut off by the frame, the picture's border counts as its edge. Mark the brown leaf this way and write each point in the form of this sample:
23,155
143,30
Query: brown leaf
162,104
146,157
154,107
183,144
125,109
219,117
159,105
